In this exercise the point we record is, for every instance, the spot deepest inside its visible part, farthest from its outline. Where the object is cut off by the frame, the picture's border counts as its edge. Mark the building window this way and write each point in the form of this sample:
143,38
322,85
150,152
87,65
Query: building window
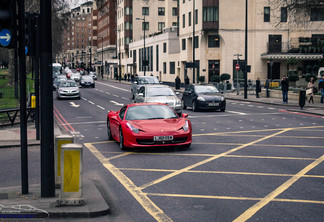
145,25
210,14
183,43
161,26
161,11
189,19
266,14
172,67
174,11
317,14
183,21
164,47
128,40
213,41
128,26
128,10
145,11
196,16
164,68
174,24
196,42
283,14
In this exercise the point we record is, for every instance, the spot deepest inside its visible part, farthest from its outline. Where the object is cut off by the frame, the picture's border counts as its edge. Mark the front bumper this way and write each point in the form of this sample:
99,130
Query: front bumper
180,138
211,105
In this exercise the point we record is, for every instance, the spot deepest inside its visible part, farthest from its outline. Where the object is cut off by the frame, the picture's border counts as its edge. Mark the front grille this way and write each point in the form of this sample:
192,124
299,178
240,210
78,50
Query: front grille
151,142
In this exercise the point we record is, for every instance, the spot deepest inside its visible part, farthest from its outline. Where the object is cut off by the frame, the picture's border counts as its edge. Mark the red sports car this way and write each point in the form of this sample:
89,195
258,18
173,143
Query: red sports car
148,125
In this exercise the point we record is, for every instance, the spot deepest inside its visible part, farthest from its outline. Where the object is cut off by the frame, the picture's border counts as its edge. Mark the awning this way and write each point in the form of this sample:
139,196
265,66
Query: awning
291,55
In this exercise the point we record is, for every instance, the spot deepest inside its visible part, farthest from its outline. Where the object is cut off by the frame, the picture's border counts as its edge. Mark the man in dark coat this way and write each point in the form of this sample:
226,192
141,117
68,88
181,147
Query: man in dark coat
177,82
284,88
257,87
187,80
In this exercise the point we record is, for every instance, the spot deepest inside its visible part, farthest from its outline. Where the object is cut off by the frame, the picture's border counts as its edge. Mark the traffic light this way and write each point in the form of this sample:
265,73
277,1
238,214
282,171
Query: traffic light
30,33
7,23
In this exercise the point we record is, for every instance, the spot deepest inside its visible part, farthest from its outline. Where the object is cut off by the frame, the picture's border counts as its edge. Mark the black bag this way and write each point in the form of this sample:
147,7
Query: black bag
315,90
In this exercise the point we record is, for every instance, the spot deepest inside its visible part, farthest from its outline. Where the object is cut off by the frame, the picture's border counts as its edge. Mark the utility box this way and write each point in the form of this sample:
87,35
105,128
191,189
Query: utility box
59,141
71,168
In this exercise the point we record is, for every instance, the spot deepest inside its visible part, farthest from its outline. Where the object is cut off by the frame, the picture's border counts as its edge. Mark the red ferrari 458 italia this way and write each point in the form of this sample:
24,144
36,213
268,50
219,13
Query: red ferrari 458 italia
148,125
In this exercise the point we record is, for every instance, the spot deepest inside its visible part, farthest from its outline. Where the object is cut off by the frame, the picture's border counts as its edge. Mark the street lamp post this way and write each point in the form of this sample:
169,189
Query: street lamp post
193,42
119,65
102,65
144,57
90,57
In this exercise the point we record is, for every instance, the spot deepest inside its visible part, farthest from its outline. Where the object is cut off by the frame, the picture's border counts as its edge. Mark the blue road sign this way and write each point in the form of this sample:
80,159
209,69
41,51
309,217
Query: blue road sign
26,50
5,37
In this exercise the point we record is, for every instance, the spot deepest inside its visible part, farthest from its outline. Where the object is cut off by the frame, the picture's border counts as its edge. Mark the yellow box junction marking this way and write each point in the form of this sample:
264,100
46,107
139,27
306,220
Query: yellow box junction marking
142,198
255,208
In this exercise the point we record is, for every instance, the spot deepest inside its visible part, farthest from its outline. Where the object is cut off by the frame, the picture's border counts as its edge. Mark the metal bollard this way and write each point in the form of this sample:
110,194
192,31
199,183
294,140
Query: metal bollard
71,168
59,141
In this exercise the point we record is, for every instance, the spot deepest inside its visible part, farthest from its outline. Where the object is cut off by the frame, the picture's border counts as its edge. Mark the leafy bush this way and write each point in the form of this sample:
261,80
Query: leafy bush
215,78
292,61
225,76
201,78
293,78
309,76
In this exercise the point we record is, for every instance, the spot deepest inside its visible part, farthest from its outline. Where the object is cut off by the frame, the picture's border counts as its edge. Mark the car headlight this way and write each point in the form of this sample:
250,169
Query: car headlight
134,129
178,102
200,99
222,98
82,81
186,126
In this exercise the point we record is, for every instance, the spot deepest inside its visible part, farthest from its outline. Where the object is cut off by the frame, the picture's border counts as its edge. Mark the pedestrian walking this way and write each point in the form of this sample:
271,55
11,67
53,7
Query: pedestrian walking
310,90
177,82
266,85
187,80
257,87
321,87
284,88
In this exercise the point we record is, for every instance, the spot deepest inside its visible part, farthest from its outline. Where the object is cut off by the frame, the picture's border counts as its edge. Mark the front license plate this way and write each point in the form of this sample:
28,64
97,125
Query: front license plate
162,138
212,104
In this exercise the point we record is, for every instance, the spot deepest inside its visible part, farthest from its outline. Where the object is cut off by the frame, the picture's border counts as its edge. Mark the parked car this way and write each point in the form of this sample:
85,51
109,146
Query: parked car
203,97
75,76
159,93
68,89
142,80
58,80
148,125
87,80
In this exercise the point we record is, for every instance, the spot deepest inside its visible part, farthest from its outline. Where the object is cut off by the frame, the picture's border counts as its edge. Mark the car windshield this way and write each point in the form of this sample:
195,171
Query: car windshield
160,91
148,80
206,89
68,84
150,112
86,78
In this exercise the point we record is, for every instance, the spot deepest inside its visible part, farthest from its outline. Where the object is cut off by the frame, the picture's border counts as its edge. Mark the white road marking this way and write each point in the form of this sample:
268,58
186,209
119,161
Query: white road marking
84,99
100,107
115,95
125,98
108,93
84,117
116,103
126,90
91,102
74,105
236,112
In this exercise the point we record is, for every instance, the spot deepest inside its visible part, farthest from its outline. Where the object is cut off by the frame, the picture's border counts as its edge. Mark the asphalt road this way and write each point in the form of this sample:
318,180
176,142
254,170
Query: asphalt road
251,162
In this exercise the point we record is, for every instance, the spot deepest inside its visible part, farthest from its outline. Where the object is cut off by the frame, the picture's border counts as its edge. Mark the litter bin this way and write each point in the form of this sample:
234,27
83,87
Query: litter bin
302,98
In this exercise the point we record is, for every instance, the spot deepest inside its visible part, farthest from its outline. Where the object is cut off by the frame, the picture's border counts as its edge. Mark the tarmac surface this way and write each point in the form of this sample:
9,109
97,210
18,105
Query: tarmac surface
15,205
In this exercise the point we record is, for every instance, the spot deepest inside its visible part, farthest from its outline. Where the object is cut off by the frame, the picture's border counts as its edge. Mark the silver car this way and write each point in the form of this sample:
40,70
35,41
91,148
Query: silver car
68,89
160,94
142,80
75,76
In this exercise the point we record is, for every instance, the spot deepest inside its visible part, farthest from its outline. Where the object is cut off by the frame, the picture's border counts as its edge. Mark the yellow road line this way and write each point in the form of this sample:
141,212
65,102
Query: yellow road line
206,161
270,197
221,172
142,198
232,198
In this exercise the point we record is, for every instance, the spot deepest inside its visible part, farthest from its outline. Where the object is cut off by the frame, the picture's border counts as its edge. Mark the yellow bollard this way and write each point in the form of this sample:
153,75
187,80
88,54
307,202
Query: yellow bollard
71,168
59,141
33,102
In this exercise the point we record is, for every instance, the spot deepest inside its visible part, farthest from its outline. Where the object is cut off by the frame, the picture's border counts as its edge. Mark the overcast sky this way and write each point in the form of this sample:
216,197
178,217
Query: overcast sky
74,3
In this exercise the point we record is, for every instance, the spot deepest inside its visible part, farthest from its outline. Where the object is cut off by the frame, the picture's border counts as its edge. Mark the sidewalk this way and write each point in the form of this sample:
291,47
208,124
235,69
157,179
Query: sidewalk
14,205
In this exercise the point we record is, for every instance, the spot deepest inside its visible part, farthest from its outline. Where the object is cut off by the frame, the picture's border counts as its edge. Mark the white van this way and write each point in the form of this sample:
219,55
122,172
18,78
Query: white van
57,69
